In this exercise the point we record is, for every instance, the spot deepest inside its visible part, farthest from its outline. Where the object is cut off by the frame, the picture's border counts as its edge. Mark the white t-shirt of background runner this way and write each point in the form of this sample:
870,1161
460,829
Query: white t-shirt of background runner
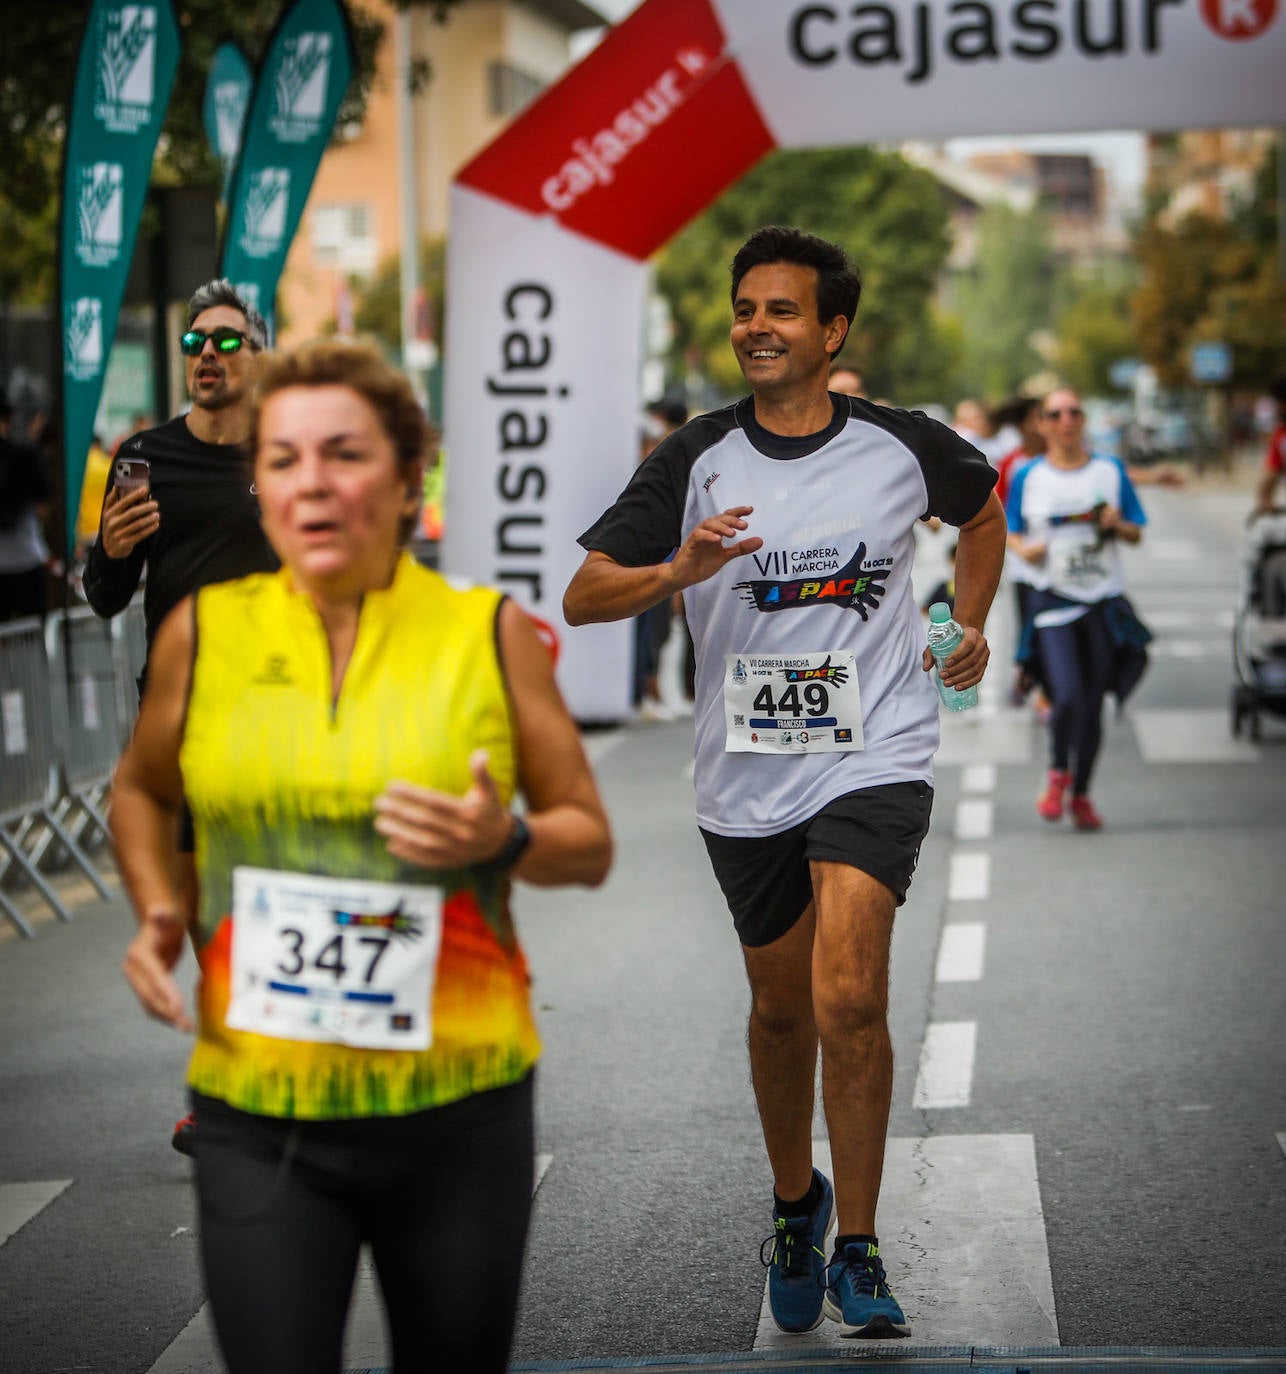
837,513
1055,506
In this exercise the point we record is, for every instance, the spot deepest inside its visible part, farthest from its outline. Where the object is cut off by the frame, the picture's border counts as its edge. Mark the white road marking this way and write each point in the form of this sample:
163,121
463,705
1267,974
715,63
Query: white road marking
19,1202
971,738
1188,648
978,777
960,952
963,1239
974,818
1173,618
1189,737
945,1076
192,1351
1281,1140
970,877
1184,550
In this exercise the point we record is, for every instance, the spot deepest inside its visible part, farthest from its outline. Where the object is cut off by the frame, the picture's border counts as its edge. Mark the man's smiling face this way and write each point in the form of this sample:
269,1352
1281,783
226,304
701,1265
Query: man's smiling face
779,341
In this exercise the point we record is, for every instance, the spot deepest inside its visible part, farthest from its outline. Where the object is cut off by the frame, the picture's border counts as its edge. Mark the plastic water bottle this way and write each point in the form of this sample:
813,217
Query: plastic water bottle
944,636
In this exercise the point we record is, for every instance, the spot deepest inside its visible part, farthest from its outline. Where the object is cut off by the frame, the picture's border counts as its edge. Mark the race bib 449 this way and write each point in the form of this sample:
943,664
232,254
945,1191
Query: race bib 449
792,703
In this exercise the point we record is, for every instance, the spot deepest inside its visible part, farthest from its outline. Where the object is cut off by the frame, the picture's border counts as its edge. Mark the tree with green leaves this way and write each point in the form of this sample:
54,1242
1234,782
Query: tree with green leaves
40,46
887,215
1206,279
1094,332
379,300
1003,300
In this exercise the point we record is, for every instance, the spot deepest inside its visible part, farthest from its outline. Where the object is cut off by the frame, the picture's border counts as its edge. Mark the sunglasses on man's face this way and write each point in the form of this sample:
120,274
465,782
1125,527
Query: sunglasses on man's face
224,341
1072,413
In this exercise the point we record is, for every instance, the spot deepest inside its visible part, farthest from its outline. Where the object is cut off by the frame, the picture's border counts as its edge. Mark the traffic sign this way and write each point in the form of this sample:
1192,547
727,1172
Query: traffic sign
1210,362
1123,372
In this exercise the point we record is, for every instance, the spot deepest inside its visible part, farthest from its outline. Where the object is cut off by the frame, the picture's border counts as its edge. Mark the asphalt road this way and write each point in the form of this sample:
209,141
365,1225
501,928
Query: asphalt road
1120,1098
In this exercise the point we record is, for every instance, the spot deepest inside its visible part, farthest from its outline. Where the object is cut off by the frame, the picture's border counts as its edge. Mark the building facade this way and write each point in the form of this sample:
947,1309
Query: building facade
478,66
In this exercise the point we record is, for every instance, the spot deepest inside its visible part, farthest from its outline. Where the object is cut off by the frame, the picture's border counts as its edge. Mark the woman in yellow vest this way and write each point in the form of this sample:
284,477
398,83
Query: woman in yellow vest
350,733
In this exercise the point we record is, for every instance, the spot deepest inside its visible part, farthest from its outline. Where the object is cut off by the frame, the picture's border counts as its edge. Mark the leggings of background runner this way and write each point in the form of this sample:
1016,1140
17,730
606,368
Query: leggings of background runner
443,1198
1076,661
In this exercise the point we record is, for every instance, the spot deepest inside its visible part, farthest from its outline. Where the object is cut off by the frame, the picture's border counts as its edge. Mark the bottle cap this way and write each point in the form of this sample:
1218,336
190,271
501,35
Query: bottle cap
939,613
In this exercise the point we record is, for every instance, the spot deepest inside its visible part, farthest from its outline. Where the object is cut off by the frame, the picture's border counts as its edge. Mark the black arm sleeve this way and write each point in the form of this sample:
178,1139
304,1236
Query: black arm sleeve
645,523
108,583
958,477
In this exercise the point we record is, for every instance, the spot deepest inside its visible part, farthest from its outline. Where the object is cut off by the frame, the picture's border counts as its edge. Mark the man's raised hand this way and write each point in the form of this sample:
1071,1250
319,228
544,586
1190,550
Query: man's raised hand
704,552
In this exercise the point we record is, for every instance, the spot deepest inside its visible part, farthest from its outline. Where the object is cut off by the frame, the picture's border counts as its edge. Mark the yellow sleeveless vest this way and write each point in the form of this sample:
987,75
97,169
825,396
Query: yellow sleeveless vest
280,777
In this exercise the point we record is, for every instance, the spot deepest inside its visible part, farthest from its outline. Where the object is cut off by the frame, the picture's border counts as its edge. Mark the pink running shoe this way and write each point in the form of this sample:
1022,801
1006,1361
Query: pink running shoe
1050,802
1085,815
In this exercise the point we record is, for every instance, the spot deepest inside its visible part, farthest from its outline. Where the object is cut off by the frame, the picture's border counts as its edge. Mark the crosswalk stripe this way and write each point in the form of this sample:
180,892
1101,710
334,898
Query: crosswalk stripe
193,1351
19,1202
1172,736
960,952
945,1076
962,1234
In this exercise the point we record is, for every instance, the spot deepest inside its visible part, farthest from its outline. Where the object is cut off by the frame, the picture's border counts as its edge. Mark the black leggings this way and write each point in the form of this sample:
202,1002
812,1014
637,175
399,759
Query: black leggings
443,1198
1076,662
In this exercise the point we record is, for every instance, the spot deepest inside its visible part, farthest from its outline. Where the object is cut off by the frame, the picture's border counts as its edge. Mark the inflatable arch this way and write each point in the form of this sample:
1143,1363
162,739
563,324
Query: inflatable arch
552,223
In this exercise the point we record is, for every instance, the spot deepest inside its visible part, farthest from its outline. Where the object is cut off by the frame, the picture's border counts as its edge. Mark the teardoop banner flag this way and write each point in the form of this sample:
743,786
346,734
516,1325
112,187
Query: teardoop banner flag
124,75
227,101
296,97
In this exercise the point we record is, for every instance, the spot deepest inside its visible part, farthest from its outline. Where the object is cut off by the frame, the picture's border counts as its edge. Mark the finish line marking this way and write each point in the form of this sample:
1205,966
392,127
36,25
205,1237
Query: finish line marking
192,1351
963,1240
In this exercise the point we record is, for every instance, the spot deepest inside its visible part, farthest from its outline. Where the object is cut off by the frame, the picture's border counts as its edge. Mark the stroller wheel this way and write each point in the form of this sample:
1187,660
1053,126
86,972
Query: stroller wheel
1236,714
1256,726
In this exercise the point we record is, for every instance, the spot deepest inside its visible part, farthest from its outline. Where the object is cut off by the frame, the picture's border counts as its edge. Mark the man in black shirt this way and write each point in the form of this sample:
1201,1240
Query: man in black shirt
197,520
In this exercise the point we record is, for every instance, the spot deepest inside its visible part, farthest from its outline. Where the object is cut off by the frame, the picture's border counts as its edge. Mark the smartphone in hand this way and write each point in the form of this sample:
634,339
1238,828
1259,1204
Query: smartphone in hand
131,474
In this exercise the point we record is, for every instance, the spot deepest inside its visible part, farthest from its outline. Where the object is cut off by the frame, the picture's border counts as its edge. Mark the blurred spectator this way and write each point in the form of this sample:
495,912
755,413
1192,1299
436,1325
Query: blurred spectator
946,589
846,380
1276,454
1023,415
652,628
24,508
98,467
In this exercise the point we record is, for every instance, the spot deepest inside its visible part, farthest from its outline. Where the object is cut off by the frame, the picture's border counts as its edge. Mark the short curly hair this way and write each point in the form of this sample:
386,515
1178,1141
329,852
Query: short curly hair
361,368
839,283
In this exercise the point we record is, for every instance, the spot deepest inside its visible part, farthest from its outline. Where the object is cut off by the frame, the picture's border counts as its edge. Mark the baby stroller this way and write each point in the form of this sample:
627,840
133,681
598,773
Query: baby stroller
1259,632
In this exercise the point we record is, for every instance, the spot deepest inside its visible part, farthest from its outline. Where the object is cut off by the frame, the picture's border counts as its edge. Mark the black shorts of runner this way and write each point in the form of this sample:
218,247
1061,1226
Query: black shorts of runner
767,882
442,1197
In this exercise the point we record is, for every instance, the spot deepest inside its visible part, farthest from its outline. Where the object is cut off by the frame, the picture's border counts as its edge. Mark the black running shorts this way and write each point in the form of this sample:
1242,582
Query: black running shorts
766,880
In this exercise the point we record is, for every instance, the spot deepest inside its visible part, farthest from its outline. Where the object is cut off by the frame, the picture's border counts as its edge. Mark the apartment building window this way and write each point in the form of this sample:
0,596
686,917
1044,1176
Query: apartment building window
343,236
510,89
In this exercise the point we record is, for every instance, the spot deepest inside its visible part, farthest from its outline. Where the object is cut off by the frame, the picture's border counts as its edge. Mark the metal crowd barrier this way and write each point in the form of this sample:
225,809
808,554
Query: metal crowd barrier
68,701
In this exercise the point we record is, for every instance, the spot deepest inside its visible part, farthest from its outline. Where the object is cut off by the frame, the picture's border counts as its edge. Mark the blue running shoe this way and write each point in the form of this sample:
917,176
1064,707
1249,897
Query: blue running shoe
795,1257
858,1296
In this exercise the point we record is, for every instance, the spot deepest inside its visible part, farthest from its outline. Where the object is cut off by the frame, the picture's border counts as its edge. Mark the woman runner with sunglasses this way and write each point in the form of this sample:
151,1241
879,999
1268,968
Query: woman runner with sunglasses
1068,514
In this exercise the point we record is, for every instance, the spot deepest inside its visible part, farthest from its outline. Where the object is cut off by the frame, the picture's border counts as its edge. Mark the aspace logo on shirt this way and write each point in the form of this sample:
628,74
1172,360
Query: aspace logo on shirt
858,585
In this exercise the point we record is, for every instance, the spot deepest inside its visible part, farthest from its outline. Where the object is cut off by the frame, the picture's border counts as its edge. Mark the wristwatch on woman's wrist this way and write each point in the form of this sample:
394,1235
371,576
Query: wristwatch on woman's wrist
513,848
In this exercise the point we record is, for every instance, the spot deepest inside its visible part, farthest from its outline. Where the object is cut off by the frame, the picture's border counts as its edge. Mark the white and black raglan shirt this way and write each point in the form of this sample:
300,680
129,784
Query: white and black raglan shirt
837,512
